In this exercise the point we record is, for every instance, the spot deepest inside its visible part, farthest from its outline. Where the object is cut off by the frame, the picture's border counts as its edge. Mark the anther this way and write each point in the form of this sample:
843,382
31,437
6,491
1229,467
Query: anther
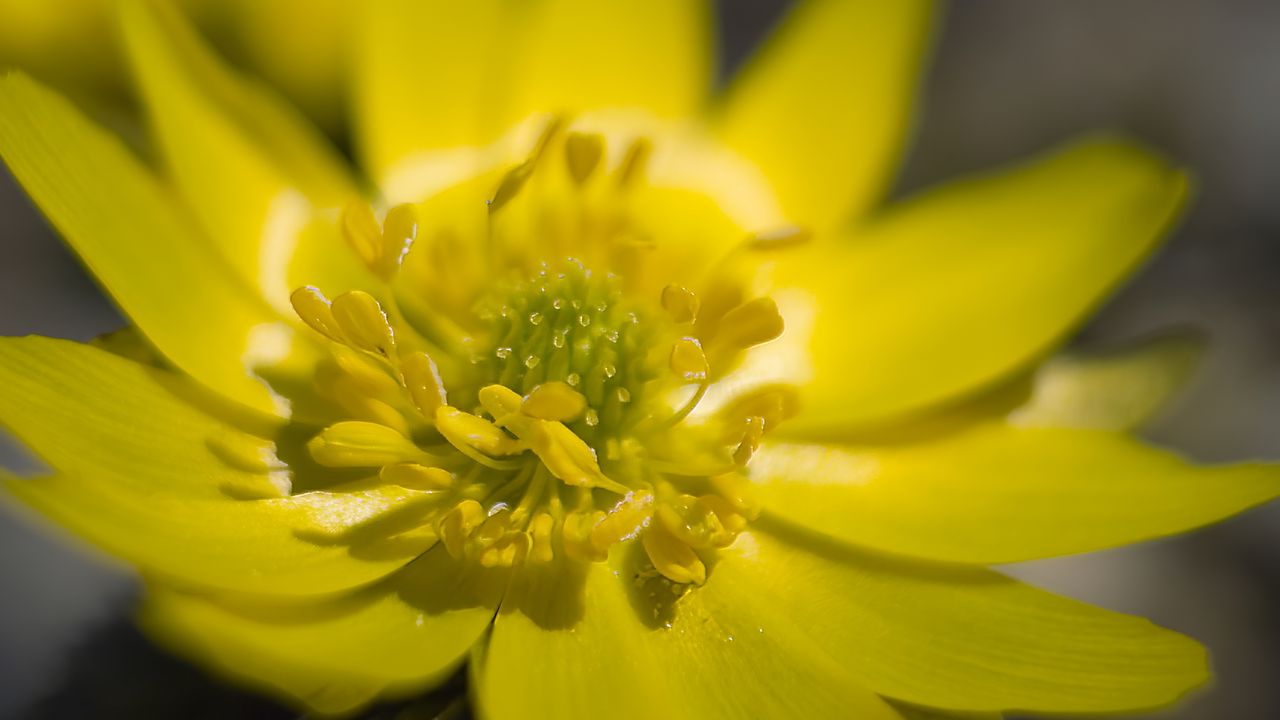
353,443
687,360
416,477
672,557
314,309
680,303
554,400
751,323
510,185
363,322
750,441
635,162
422,380
399,230
782,238
360,228
457,525
583,152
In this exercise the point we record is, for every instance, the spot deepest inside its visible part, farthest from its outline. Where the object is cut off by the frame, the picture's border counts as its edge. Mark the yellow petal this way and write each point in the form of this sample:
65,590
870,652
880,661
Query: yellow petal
592,641
825,107
968,283
1115,390
998,494
963,639
141,246
393,639
145,476
429,75
653,55
252,169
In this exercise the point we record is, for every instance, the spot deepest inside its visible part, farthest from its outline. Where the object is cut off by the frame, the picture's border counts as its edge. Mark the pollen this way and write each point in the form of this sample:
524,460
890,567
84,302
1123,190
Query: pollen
540,397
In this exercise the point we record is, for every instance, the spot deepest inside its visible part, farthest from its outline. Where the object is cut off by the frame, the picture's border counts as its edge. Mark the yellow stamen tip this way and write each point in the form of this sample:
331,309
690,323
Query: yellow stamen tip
687,361
363,322
354,443
314,309
672,557
751,323
417,477
457,525
464,430
680,303
360,228
583,152
422,380
554,401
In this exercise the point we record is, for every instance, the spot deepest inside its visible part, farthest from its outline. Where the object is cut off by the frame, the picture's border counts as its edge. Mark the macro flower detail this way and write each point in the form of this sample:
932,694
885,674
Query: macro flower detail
624,394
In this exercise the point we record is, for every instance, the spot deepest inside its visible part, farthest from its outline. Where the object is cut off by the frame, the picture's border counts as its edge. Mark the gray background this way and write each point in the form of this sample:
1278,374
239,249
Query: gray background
1198,79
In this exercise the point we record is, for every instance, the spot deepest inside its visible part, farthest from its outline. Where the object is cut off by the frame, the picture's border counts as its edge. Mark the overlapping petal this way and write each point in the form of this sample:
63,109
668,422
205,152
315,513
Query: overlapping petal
966,284
598,640
947,637
139,243
391,639
253,171
998,493
825,108
144,474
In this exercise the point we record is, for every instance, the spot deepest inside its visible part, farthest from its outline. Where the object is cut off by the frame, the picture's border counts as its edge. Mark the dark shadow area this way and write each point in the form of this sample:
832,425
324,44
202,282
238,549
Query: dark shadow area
117,674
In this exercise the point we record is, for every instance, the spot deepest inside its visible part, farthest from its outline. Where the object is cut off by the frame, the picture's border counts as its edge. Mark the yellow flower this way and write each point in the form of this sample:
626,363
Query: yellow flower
624,397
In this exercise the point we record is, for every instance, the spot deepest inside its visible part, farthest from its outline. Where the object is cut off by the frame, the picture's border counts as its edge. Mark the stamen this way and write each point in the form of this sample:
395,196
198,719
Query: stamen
583,152
364,324
680,303
417,477
554,401
353,443
672,557
314,310
422,380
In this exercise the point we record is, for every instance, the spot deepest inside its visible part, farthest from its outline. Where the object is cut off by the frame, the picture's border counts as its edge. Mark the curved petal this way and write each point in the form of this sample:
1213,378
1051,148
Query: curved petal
598,641
141,246
144,475
1118,389
395,638
253,171
965,284
652,55
1000,494
429,76
964,639
825,107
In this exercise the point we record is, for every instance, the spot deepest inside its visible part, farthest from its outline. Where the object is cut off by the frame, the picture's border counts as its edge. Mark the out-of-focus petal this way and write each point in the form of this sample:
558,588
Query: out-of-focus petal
600,641
143,474
966,284
334,655
998,494
824,110
142,247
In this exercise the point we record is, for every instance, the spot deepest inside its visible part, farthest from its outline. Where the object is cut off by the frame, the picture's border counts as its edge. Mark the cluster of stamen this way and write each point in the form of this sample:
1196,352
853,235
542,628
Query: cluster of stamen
562,422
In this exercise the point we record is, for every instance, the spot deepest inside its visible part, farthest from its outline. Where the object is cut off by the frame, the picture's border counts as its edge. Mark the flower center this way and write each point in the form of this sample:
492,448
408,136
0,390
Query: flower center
544,410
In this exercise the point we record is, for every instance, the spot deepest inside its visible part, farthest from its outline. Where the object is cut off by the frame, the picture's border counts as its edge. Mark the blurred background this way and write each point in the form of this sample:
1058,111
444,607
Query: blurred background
1198,80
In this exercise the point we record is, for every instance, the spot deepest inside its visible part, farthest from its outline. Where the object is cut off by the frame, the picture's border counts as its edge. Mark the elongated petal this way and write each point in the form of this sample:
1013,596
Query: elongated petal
1114,390
825,107
429,75
143,475
964,639
601,642
651,55
140,245
253,171
999,494
333,656
968,283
